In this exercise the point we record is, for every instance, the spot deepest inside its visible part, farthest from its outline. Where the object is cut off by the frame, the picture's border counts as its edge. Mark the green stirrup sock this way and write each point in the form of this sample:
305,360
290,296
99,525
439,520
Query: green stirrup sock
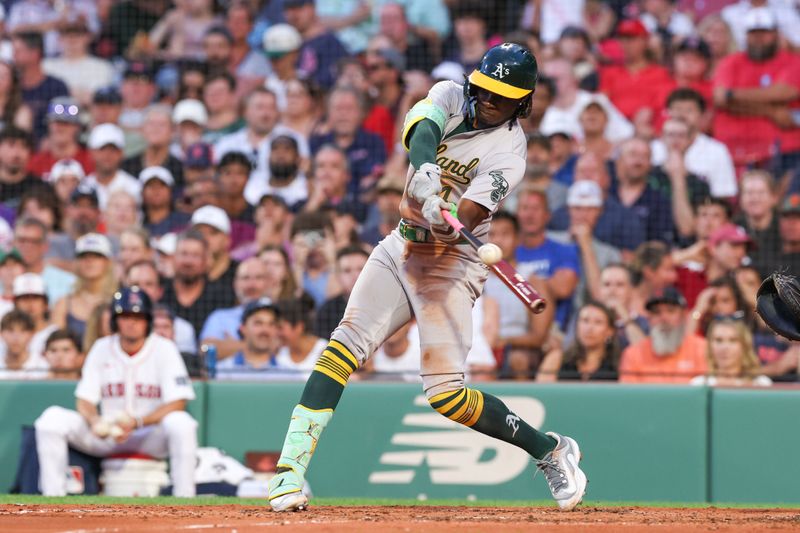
500,422
487,414
326,383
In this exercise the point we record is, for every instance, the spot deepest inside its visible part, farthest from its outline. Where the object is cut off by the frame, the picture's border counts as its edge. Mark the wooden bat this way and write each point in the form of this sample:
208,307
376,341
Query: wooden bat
507,274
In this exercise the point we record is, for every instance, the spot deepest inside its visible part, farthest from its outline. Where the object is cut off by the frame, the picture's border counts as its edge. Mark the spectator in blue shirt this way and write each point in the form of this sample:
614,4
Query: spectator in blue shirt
321,50
221,328
537,254
366,152
614,225
632,189
258,329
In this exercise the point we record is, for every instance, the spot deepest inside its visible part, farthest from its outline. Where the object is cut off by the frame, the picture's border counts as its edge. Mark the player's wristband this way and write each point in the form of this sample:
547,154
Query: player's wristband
139,422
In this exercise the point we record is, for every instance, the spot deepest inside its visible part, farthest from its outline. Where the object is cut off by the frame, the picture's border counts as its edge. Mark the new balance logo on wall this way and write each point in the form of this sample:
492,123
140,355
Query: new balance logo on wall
452,454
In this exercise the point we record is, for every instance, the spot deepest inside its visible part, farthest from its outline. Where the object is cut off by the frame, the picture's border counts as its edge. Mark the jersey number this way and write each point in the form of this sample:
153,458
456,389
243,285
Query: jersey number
445,194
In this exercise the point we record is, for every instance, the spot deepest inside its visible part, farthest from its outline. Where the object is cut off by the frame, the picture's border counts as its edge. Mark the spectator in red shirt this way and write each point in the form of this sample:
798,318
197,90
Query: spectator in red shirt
63,128
384,70
727,248
758,92
634,87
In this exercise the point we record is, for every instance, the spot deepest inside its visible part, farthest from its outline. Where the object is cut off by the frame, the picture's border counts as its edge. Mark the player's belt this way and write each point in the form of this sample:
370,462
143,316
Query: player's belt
414,233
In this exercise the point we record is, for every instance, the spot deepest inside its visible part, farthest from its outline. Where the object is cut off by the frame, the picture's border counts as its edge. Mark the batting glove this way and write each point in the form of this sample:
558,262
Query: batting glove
432,210
425,182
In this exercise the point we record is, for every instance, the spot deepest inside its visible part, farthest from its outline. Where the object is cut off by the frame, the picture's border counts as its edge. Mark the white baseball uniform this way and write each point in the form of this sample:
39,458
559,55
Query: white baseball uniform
137,384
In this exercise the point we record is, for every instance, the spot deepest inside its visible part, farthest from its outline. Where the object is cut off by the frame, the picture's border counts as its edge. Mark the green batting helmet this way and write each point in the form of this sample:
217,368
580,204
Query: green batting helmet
509,70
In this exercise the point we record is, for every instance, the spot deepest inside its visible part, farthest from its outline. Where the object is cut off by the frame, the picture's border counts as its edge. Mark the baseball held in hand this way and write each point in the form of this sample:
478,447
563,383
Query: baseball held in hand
101,428
490,253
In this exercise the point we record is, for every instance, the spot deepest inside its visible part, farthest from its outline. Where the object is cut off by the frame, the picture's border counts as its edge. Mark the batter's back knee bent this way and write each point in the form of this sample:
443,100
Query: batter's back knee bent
449,396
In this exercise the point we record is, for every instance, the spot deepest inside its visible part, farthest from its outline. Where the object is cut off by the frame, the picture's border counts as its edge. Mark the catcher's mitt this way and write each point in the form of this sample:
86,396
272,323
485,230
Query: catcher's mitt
778,304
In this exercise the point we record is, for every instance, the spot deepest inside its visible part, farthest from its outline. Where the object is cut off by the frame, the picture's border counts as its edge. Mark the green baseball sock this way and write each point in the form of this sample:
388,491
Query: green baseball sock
487,414
500,422
326,383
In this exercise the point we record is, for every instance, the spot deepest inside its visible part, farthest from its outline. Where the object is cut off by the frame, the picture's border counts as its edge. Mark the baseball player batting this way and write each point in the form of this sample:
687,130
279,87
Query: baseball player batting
140,382
467,149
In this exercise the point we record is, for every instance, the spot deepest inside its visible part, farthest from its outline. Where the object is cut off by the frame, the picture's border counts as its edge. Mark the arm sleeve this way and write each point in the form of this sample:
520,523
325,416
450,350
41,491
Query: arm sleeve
499,176
175,382
89,386
424,138
442,101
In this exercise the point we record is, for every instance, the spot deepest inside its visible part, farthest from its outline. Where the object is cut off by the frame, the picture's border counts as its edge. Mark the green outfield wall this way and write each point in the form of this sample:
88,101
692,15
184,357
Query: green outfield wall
640,443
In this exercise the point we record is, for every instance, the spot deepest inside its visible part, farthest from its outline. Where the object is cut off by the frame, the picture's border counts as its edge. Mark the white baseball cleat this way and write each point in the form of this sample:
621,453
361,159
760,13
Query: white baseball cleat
294,501
566,480
286,491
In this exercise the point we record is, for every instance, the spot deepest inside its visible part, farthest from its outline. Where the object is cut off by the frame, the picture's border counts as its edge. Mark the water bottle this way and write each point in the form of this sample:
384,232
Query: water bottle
210,352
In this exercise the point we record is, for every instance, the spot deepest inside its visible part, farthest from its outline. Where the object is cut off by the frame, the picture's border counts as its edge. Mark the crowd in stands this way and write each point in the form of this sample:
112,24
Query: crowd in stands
238,160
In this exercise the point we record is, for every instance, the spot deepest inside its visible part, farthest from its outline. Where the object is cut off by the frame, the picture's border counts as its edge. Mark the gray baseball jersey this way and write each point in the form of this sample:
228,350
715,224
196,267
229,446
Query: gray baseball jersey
435,282
480,165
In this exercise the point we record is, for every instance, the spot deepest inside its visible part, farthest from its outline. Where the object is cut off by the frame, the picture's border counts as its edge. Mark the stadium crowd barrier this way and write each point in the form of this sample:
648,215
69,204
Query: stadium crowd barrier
641,443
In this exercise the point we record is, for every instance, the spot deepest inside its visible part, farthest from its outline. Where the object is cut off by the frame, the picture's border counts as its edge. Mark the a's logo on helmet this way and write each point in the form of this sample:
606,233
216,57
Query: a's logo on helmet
500,71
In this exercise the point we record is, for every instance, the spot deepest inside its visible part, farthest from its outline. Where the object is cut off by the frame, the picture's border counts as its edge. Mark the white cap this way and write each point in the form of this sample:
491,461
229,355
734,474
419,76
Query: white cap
281,39
760,18
105,134
598,100
93,243
190,110
29,284
562,125
213,216
448,70
584,193
167,244
156,173
66,167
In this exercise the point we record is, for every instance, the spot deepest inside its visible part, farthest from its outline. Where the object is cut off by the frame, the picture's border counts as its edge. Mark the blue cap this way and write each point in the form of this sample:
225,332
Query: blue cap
107,95
84,190
255,306
198,155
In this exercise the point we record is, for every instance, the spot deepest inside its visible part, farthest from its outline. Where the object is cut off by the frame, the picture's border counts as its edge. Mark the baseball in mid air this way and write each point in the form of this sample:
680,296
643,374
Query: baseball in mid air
490,253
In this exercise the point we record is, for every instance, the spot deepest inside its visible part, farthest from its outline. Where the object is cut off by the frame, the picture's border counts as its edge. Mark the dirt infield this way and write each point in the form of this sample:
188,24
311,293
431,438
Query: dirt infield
241,519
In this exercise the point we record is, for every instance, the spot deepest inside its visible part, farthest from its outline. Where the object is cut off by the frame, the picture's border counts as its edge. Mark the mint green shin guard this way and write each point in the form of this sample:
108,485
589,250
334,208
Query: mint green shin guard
301,440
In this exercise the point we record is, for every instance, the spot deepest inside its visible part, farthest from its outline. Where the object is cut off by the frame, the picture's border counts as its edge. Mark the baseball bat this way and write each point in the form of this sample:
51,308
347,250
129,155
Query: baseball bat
507,274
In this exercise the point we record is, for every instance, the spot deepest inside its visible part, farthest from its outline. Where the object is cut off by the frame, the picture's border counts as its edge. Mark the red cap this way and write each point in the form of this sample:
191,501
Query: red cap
729,233
631,28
